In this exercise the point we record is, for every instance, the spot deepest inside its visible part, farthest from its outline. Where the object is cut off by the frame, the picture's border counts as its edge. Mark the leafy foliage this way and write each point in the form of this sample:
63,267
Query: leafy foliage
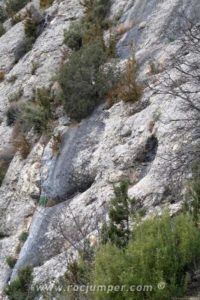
13,6
20,288
31,31
82,79
12,114
163,249
37,114
96,10
83,82
11,261
73,36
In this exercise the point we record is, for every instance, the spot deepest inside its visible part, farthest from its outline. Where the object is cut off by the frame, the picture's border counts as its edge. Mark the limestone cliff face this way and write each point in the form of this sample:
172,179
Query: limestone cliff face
128,140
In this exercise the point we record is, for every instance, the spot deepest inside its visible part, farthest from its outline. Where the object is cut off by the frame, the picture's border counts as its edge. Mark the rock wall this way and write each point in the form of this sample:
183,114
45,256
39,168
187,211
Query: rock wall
138,141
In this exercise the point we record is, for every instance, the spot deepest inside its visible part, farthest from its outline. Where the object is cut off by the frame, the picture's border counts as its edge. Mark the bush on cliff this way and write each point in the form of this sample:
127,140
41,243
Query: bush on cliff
73,36
84,82
37,113
127,89
20,288
163,249
12,113
34,114
96,10
117,231
13,6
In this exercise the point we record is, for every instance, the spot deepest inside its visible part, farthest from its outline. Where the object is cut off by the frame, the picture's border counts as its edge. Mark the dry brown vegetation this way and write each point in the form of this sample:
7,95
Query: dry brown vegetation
20,142
2,75
127,89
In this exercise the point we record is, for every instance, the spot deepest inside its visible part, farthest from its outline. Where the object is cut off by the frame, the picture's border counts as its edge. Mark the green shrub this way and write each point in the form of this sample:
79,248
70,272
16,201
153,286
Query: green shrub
11,261
163,249
82,79
23,236
15,97
79,273
2,29
43,201
117,231
92,33
30,29
83,82
37,114
127,89
12,114
73,36
20,288
81,34
101,9
22,48
13,6
3,15
96,10
16,19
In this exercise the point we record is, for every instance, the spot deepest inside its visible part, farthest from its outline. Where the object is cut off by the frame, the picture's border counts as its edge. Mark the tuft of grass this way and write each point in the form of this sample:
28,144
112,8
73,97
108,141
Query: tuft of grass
11,261
43,201
12,114
38,113
23,236
127,89
20,288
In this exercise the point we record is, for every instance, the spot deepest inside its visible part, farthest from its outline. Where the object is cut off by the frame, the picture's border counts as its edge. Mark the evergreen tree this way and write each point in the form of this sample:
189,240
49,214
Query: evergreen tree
117,231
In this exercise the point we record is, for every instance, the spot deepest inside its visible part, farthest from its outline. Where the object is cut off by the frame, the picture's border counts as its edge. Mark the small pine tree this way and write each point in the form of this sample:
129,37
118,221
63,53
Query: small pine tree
117,231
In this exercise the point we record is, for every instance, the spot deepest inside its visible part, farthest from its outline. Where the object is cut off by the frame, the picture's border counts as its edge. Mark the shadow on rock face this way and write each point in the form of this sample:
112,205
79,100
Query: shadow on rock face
70,173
